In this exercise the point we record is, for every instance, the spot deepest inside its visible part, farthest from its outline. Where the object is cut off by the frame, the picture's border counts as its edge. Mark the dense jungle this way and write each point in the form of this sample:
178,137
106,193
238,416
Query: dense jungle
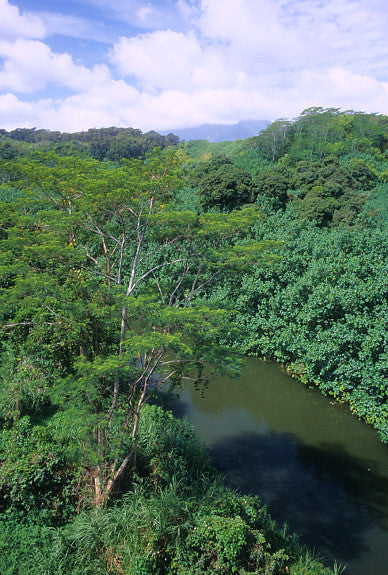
132,263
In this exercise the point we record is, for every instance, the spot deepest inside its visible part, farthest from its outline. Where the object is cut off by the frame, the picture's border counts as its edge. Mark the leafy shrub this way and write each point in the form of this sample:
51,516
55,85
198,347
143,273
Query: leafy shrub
25,547
35,479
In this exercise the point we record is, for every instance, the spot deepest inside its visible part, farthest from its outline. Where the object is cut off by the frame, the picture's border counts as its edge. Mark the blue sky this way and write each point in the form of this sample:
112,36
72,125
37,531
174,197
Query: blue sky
72,65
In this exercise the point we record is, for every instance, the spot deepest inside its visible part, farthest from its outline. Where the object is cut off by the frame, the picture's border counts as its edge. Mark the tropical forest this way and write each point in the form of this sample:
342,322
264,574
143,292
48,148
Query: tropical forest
135,265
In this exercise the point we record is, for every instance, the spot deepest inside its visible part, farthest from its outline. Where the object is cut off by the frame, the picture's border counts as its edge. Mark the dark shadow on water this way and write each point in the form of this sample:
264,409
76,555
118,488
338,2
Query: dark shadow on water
358,477
326,496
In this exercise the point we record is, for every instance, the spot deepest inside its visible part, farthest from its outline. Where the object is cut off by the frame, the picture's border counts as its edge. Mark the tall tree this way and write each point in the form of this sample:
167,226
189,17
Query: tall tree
87,251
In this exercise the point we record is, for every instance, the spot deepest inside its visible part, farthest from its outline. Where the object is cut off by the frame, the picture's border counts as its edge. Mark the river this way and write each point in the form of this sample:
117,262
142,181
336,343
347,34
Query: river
315,466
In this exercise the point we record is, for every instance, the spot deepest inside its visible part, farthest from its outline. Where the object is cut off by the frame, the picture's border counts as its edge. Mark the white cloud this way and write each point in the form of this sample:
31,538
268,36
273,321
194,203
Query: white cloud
115,103
350,33
167,60
250,33
158,60
13,24
30,65
100,106
339,87
238,59
152,15
12,108
73,27
189,10
144,12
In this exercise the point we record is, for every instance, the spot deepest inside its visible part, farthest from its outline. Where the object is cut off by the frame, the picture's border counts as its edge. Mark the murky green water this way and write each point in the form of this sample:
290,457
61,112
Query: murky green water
316,466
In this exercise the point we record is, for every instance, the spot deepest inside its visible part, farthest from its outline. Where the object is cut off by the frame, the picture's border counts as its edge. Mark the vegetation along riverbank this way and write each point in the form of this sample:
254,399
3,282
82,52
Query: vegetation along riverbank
133,261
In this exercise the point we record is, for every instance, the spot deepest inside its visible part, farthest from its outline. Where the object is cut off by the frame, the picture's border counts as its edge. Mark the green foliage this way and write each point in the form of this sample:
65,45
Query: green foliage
323,310
176,518
187,199
101,144
197,149
329,193
111,282
25,547
377,205
8,149
321,132
99,282
35,479
250,161
225,187
273,142
234,534
274,184
23,387
202,150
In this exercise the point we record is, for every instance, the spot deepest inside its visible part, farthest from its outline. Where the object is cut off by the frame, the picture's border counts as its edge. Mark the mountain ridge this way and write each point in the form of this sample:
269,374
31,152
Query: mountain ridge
220,132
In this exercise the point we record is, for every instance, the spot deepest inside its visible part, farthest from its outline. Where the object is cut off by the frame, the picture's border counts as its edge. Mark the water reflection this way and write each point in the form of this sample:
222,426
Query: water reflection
314,465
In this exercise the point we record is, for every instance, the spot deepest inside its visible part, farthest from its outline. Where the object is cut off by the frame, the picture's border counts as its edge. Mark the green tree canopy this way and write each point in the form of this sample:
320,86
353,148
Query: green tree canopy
99,279
225,187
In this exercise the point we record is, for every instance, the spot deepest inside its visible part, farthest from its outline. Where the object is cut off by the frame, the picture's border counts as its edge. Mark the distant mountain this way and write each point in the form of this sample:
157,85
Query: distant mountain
220,132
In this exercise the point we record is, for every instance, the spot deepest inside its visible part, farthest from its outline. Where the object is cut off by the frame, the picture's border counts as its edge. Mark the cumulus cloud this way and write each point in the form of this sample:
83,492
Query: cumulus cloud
201,61
14,24
168,60
30,65
342,88
164,59
250,35
249,57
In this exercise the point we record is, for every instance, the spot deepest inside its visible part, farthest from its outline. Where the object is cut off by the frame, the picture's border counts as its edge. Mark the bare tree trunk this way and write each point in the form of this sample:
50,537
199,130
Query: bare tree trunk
99,498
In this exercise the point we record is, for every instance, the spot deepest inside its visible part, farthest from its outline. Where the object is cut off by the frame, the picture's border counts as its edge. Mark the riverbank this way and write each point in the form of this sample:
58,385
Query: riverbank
316,466
377,419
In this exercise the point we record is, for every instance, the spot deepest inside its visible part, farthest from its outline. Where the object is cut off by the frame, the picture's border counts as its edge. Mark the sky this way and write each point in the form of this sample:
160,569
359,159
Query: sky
71,65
